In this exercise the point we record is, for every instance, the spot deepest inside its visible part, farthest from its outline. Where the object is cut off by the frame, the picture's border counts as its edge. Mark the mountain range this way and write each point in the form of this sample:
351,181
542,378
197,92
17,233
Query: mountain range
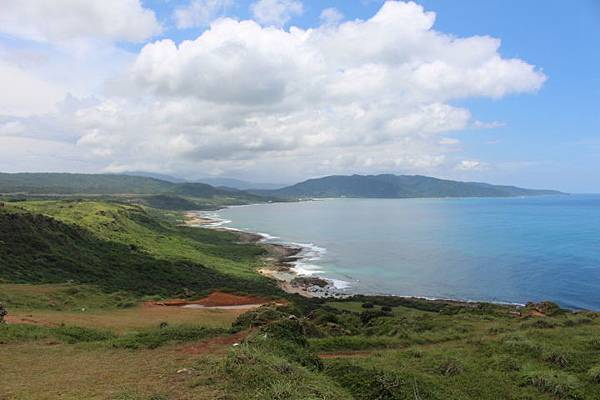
396,186
367,186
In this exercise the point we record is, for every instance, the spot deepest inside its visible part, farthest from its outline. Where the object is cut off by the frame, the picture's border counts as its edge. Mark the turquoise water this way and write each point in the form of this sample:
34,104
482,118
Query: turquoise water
504,250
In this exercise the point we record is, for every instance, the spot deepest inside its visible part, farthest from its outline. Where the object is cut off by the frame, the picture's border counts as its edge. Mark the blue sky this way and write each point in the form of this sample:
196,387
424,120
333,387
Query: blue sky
534,124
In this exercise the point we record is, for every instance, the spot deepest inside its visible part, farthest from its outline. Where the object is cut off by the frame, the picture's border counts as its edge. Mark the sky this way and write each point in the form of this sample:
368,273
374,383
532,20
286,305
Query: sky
501,91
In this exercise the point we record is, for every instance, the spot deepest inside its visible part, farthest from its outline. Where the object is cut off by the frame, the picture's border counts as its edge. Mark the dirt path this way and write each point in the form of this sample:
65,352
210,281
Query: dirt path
216,345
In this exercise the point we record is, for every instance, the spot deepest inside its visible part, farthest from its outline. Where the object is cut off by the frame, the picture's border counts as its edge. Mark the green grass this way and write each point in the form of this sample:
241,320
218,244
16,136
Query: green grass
122,248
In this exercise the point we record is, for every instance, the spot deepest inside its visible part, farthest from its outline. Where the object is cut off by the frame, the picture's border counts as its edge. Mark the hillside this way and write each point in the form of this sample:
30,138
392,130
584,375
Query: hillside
397,186
143,190
119,247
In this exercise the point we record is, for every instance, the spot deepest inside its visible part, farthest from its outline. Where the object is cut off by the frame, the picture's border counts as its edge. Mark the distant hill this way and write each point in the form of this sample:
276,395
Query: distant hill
109,184
162,177
396,186
239,184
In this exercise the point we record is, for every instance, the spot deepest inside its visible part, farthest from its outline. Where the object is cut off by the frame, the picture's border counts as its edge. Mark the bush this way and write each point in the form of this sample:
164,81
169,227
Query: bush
594,374
367,305
259,317
560,360
76,334
368,384
558,384
451,367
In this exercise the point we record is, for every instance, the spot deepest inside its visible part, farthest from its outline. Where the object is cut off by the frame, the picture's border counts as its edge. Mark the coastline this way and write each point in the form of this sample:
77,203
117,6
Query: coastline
279,261
282,259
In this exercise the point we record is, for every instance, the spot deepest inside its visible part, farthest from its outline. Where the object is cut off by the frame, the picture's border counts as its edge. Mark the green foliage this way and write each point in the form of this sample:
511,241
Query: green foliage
396,186
594,374
10,333
121,248
259,317
558,384
267,375
369,384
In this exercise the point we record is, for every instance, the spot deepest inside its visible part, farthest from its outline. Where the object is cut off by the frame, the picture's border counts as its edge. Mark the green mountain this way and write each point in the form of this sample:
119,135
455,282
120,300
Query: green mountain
397,186
109,184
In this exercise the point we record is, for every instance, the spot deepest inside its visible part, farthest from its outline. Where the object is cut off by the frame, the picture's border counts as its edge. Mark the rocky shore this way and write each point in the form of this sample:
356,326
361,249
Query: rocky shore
279,262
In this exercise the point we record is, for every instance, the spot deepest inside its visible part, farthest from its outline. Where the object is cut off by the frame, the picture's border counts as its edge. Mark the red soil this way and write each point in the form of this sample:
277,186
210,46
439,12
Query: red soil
215,299
215,345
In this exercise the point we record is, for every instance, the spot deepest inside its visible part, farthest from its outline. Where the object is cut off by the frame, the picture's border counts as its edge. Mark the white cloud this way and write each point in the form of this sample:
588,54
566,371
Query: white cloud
67,20
276,12
23,93
471,165
283,104
200,12
331,16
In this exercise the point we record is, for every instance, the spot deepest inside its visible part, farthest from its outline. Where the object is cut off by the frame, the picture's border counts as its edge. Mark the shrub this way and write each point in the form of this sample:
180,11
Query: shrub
451,367
367,305
558,384
259,317
560,360
368,383
76,334
594,374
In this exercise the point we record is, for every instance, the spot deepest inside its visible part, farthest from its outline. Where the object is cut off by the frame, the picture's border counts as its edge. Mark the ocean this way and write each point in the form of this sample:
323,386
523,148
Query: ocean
509,250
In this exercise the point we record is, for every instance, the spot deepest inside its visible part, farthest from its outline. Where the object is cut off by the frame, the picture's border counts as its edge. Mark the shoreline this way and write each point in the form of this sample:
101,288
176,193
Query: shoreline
282,257
279,262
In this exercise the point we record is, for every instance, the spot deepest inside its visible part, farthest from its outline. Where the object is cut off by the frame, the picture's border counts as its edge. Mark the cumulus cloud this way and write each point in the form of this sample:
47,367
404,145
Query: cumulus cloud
18,86
66,20
200,12
276,12
247,97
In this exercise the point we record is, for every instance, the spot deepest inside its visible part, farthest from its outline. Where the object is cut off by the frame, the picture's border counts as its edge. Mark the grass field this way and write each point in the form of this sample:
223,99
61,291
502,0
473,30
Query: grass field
77,277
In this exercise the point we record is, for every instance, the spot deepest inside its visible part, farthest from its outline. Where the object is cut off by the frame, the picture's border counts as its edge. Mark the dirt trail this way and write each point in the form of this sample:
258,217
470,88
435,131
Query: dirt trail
215,345
214,300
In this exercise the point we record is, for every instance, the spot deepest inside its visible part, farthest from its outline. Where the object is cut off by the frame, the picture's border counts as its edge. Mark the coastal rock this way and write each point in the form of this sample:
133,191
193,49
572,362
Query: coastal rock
310,282
545,307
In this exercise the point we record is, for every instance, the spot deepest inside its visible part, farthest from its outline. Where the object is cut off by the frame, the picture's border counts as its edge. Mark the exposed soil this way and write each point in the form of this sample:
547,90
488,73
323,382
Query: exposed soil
215,299
215,345
11,319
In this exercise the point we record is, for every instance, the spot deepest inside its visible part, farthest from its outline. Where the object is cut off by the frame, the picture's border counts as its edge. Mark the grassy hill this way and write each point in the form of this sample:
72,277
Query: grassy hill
120,247
142,190
396,186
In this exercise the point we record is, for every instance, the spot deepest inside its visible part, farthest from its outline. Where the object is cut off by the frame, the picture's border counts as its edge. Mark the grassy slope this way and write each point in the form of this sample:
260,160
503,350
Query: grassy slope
121,247
334,350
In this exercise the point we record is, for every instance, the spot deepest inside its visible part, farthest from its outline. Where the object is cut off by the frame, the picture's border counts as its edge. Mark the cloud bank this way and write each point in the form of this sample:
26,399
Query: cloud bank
247,97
